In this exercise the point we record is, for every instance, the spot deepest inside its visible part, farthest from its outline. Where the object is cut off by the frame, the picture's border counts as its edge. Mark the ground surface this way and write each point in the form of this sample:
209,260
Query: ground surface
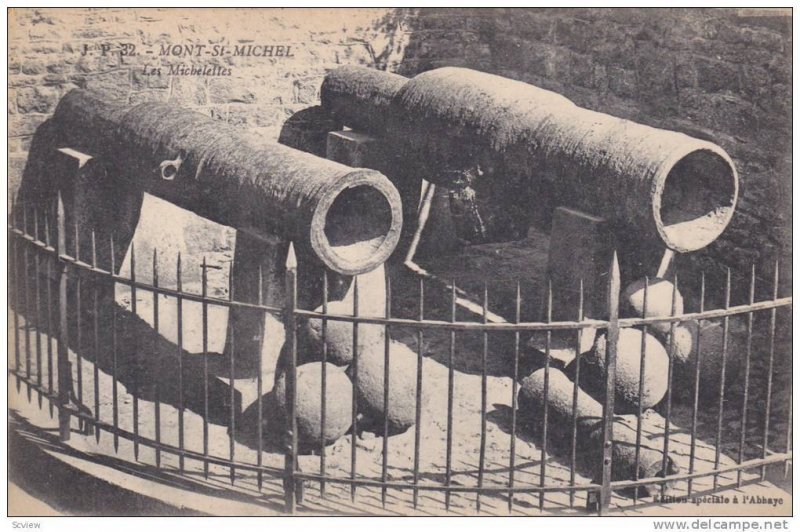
433,433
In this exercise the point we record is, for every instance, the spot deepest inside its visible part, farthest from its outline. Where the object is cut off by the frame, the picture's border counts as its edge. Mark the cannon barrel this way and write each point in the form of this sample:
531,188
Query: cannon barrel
349,218
458,123
360,97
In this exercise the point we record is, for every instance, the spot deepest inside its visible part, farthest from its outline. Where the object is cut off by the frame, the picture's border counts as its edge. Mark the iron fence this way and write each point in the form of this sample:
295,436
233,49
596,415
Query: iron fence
47,279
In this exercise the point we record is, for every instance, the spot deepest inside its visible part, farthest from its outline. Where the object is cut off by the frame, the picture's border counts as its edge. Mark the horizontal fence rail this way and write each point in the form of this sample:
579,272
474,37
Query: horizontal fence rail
70,348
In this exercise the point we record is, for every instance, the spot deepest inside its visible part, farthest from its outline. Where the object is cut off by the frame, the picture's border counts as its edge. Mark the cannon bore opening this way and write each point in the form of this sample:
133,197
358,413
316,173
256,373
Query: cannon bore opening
697,200
360,228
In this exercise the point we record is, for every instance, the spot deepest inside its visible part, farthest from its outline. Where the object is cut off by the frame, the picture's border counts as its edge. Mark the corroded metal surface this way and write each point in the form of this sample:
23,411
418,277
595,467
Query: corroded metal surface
503,146
350,218
360,97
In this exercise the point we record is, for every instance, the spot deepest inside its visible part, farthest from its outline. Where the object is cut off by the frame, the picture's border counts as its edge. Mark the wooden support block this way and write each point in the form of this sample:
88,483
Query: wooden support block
581,246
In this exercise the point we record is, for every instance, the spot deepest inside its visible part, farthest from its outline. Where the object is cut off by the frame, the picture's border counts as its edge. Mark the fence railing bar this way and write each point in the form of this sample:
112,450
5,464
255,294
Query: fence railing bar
418,392
27,313
323,402
64,366
428,324
746,392
156,361
95,340
290,457
670,369
387,340
696,387
493,489
77,236
612,339
770,368
484,392
16,288
50,337
573,449
554,326
451,355
788,435
37,315
179,312
78,325
512,446
114,361
192,455
49,313
459,325
260,384
354,404
231,383
125,281
78,310
204,333
774,458
135,358
721,394
545,410
639,409
710,314
750,464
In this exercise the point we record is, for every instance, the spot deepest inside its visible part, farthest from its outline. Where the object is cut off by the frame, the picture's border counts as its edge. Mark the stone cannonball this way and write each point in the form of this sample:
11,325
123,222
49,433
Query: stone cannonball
401,410
338,403
659,301
339,335
628,368
711,340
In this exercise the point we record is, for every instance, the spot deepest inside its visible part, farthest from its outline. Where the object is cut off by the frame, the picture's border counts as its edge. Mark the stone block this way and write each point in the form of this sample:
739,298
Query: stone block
581,246
354,148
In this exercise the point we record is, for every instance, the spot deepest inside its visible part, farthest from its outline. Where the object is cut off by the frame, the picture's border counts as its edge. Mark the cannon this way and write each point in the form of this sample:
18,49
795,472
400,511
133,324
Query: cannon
504,144
349,218
104,156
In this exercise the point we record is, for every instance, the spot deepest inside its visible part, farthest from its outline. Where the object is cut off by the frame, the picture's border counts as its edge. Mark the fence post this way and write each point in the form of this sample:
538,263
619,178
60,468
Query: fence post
64,368
612,339
290,324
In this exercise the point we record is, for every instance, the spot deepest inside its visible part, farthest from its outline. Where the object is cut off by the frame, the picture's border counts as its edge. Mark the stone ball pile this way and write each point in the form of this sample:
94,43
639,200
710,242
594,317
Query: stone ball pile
363,375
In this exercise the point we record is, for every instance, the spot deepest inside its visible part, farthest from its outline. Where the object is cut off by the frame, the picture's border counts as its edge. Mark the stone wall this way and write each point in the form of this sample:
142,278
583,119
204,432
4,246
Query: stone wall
724,75
46,59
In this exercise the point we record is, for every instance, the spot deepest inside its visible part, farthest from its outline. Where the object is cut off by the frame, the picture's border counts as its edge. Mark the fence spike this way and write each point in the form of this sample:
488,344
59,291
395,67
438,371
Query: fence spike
135,377
670,369
746,394
291,258
179,326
